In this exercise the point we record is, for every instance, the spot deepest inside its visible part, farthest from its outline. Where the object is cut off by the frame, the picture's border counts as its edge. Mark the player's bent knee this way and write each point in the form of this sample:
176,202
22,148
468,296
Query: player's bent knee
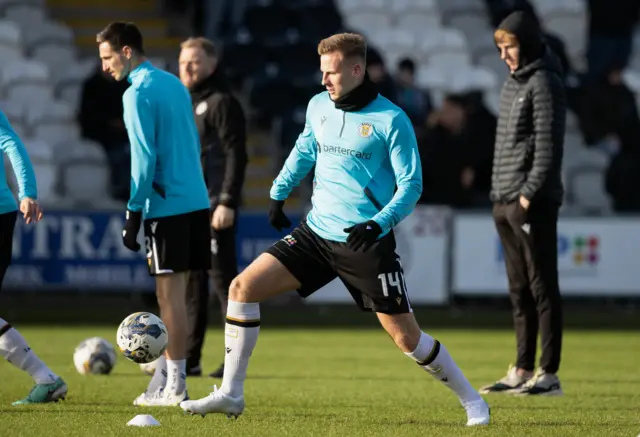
264,278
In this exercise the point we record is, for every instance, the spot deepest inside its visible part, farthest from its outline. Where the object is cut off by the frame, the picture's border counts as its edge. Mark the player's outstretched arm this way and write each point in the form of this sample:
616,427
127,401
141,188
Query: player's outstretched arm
12,146
405,161
141,128
299,162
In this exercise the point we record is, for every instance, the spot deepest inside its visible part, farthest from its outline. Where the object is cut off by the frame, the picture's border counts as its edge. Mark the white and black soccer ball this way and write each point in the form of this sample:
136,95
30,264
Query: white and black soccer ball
142,337
94,355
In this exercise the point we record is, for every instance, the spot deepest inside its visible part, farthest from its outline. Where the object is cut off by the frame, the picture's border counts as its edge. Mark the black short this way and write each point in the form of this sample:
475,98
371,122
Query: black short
178,243
7,225
375,279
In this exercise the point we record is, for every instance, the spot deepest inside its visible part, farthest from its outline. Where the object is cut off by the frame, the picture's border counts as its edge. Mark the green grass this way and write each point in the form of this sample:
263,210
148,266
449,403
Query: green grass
340,383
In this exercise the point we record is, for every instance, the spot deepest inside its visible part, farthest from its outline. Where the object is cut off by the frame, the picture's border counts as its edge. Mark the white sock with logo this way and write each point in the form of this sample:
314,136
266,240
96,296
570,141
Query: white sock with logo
176,376
434,358
241,335
159,378
14,348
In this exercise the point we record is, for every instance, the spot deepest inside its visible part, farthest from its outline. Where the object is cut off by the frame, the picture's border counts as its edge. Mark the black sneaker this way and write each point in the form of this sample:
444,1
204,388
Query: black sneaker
511,383
218,373
545,384
194,371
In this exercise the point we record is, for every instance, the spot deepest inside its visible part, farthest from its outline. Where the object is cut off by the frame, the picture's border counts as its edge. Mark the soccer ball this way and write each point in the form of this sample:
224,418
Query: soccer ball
142,337
149,368
94,355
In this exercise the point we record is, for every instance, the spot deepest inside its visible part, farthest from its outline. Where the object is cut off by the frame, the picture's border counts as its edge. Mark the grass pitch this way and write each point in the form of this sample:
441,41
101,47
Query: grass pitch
340,383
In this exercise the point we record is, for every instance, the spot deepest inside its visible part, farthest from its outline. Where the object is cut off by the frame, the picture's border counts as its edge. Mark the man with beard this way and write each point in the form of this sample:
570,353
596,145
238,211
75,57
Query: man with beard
222,128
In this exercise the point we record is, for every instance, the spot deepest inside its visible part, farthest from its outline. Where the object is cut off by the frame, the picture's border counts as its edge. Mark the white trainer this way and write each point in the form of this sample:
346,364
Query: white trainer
478,413
216,402
160,398
144,399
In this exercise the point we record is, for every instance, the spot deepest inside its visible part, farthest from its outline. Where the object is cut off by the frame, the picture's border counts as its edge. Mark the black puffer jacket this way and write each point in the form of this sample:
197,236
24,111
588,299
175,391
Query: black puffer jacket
531,125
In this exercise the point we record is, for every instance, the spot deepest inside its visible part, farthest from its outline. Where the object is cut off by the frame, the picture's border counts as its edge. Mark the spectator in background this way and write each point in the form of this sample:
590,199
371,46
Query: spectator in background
379,75
607,113
414,101
101,120
611,26
456,153
622,180
527,191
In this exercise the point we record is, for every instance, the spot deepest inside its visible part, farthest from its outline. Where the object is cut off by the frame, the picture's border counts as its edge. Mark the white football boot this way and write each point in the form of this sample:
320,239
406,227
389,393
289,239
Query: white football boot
478,412
160,398
216,402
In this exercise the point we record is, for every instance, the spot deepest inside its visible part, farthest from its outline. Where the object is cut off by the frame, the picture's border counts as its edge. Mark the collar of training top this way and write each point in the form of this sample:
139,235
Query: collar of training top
140,69
359,97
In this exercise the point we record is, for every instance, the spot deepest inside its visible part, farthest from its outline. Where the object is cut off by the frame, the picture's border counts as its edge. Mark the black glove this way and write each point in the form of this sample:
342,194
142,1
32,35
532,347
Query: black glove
277,219
363,235
130,230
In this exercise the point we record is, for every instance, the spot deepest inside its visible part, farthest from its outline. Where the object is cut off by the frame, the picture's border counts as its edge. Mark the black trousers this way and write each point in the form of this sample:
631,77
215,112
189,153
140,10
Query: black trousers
224,267
529,240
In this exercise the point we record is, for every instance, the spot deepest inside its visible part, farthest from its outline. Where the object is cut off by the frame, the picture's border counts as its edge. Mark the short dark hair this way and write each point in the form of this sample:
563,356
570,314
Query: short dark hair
120,34
407,64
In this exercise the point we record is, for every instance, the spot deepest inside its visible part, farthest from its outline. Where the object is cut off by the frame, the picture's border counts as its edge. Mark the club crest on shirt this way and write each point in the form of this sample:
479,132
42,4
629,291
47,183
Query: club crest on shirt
365,130
201,108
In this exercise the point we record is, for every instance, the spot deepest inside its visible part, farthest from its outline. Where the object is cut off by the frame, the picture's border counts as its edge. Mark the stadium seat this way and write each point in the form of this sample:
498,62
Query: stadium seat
318,22
27,16
85,182
54,122
363,21
268,24
40,151
416,22
473,25
81,150
408,7
445,40
71,93
47,177
48,32
10,41
449,8
350,7
588,190
15,113
393,43
27,83
60,58
459,59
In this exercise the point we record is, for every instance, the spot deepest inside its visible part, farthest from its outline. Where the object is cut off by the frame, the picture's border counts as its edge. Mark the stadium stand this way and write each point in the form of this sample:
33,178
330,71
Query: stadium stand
49,50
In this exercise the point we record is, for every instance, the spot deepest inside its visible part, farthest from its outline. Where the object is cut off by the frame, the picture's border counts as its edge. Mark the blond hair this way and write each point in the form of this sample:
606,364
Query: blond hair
201,42
350,45
504,36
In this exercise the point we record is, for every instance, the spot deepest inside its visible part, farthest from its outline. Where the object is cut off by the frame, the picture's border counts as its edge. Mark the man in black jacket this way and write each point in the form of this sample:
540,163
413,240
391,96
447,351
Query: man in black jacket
222,127
527,192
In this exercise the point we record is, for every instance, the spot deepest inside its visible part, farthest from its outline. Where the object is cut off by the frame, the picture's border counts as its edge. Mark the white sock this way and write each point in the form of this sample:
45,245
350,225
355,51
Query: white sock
14,348
241,335
434,358
159,378
176,376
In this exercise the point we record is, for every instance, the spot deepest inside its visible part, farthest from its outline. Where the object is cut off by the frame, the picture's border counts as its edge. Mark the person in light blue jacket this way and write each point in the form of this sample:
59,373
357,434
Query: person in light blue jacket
168,191
368,178
13,347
